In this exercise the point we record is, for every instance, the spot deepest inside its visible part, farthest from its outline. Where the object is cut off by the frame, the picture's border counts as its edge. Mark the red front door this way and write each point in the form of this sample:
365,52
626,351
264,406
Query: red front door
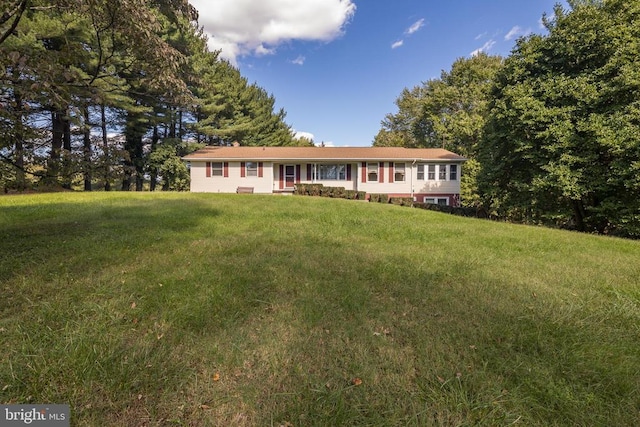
289,176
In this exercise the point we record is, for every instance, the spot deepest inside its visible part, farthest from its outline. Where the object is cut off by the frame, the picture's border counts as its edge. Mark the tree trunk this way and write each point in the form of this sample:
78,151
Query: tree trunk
19,144
57,130
105,149
134,164
67,164
154,171
579,215
86,150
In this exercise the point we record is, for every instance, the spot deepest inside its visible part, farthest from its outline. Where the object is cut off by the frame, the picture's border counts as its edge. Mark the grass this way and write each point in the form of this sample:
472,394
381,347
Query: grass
206,310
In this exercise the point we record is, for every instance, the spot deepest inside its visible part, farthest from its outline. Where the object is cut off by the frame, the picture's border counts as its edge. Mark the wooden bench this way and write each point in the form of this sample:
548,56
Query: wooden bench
245,190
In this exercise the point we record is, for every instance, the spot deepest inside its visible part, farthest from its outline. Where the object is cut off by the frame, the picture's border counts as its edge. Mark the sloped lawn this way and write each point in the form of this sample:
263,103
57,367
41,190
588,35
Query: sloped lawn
210,310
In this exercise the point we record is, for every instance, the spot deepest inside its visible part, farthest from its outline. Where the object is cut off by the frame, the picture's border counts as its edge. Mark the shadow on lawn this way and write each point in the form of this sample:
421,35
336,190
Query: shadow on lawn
62,236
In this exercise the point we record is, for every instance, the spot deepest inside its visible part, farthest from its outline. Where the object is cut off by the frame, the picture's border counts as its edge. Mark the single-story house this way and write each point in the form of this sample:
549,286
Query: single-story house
428,175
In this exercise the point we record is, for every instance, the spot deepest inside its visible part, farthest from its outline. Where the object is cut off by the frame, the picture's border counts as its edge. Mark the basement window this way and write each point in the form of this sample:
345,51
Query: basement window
442,201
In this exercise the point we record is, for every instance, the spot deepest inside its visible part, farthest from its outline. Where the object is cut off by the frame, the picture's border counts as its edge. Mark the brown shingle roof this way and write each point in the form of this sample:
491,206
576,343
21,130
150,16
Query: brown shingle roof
323,153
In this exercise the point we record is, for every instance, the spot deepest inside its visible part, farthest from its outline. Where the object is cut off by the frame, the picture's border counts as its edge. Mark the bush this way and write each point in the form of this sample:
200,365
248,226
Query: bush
401,201
308,189
335,192
460,211
379,198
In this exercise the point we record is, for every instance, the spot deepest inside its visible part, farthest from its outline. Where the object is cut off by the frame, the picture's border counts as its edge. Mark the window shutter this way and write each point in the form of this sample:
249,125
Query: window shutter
349,172
391,171
298,172
364,171
260,169
226,169
281,177
208,169
309,170
381,172
243,170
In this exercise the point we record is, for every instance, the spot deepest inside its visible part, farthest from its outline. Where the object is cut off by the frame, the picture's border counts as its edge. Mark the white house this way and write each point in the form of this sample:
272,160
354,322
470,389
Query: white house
428,175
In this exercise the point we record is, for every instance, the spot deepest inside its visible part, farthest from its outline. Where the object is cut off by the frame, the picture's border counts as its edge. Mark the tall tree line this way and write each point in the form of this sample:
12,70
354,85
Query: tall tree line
552,131
110,93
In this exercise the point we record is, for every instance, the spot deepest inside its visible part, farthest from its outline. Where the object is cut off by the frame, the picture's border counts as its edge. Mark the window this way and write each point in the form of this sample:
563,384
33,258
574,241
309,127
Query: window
216,169
453,172
442,175
438,172
252,168
431,172
398,175
442,201
331,172
372,172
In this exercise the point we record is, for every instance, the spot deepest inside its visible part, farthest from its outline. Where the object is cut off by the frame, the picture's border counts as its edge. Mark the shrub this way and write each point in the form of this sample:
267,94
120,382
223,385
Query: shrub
401,201
379,198
308,189
326,191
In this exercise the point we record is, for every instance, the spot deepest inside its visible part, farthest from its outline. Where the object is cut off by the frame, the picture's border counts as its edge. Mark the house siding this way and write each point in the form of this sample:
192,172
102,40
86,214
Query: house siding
270,177
201,183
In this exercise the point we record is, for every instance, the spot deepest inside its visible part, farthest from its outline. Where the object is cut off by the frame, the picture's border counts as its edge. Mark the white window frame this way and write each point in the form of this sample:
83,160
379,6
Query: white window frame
442,172
437,172
432,172
399,170
251,169
322,172
453,172
373,168
437,200
217,169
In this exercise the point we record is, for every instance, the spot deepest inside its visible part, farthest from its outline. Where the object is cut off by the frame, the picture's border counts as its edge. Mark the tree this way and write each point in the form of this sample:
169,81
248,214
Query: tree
231,110
11,15
562,143
137,67
448,112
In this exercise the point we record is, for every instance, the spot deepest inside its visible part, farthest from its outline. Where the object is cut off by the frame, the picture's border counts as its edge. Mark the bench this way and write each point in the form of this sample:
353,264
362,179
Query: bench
245,190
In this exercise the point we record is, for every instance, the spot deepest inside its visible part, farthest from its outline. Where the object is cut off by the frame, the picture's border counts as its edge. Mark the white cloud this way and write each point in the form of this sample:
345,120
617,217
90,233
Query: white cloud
480,36
263,51
415,27
245,27
409,31
299,60
300,134
484,49
325,144
516,32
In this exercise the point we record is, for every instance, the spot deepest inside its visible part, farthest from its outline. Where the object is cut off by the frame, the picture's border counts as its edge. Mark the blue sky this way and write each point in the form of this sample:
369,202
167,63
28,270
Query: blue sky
337,66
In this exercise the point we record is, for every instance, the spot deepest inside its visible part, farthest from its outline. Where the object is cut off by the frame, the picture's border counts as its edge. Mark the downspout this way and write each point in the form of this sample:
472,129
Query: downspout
412,173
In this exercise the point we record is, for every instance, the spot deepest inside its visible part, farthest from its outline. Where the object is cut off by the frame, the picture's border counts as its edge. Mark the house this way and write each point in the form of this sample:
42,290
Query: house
429,175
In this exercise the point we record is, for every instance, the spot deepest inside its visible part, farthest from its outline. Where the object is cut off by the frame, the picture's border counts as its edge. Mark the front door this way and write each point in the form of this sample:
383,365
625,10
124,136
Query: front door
289,176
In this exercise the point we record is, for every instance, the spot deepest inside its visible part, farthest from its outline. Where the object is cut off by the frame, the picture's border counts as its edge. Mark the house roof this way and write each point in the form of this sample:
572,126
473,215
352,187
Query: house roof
324,153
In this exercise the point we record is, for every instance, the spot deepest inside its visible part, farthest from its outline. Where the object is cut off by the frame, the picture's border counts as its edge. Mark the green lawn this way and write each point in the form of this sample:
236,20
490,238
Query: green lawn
211,310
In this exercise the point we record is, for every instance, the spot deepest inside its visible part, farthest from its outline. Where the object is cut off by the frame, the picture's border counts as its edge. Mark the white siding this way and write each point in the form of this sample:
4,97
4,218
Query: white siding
269,182
200,183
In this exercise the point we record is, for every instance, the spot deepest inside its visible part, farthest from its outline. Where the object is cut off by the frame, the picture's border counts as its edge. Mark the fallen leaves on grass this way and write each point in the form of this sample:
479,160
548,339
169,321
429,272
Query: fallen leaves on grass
383,331
356,381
